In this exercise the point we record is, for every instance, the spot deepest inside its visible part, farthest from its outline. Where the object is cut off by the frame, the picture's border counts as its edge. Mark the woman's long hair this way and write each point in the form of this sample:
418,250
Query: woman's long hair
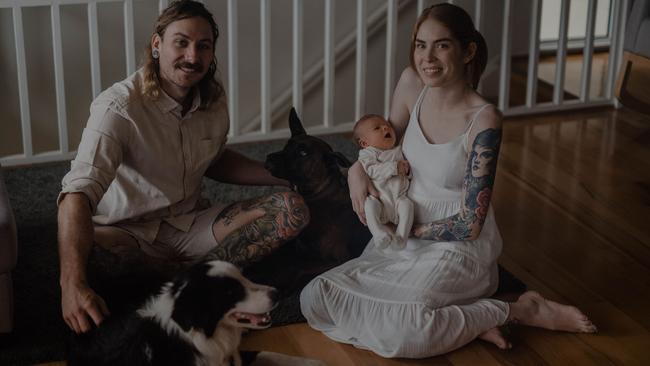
462,28
210,88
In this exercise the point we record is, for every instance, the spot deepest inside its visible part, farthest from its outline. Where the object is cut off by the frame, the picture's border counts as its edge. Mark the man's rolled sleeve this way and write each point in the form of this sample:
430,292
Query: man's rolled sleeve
221,110
98,156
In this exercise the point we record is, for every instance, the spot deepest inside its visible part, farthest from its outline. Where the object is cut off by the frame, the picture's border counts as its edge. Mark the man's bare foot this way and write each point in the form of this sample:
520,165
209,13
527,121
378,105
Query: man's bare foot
495,336
534,310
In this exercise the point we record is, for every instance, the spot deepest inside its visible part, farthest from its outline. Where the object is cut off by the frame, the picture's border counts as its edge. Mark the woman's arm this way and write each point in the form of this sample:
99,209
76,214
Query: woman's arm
405,95
477,185
360,186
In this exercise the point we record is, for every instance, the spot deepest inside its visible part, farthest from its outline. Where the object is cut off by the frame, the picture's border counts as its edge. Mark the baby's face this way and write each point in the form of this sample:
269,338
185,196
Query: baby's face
377,132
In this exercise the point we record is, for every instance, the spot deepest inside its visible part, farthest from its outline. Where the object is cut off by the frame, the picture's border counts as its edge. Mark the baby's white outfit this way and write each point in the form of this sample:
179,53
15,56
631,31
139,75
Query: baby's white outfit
393,204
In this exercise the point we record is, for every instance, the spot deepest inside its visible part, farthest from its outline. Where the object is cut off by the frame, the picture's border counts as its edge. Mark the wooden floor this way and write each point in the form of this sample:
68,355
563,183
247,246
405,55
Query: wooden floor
572,200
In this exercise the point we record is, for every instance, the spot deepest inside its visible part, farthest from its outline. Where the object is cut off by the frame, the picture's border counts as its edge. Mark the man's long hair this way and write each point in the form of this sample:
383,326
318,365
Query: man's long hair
210,88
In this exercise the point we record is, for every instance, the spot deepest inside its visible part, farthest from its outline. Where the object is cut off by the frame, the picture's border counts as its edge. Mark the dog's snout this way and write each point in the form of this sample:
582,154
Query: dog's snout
274,295
275,164
273,161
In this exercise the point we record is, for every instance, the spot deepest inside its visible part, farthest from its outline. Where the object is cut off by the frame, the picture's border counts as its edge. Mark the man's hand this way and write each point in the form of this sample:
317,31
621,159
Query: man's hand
403,167
79,303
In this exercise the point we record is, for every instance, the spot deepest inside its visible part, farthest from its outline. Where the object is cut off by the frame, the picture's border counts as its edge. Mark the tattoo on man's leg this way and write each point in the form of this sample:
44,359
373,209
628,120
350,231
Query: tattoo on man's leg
228,214
284,216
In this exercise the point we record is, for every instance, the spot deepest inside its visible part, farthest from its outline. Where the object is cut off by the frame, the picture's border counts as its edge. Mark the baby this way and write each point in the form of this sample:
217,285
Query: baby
385,165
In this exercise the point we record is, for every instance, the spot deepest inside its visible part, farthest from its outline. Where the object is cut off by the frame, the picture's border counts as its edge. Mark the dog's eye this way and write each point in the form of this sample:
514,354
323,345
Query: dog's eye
302,153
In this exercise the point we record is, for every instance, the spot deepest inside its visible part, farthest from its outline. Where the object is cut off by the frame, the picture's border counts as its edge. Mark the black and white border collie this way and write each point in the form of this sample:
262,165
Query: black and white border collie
197,319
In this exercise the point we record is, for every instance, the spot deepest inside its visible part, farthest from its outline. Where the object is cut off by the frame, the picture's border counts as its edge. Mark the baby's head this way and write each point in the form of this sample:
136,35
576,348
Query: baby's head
373,130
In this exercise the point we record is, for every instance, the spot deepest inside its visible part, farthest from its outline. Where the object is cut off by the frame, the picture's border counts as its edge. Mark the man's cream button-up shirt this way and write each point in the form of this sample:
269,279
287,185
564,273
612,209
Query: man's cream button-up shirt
141,162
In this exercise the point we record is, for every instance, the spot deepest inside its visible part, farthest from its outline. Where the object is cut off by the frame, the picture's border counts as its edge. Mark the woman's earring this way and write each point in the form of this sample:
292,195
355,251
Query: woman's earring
155,54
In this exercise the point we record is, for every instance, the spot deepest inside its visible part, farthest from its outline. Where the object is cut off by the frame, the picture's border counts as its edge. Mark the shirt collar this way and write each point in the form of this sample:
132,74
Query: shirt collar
196,102
168,104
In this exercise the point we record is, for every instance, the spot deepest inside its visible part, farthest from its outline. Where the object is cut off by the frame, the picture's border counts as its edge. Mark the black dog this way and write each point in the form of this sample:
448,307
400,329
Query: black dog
334,234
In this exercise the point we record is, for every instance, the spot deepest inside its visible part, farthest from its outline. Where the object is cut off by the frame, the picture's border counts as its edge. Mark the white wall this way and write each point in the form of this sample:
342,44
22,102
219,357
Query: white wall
76,63
10,118
578,19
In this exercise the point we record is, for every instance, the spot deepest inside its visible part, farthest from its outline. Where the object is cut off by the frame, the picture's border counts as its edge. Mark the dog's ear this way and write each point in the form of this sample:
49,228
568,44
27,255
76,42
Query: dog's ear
295,125
340,159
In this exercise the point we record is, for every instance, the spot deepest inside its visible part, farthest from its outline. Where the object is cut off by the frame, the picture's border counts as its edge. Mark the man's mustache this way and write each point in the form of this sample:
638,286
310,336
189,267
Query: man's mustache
188,65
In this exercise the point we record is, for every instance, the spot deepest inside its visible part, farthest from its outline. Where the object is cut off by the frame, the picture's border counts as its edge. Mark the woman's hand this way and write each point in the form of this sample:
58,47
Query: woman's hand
360,186
418,230
403,168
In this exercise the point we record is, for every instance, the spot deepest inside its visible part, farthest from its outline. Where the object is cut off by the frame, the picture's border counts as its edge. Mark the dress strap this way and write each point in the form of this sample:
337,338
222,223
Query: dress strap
418,103
471,123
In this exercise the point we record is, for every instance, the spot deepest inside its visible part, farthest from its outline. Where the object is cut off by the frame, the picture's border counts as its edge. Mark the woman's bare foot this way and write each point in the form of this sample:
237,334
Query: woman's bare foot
534,310
495,336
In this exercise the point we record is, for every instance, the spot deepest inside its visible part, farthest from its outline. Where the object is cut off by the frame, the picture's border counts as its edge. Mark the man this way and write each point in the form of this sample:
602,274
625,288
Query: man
135,182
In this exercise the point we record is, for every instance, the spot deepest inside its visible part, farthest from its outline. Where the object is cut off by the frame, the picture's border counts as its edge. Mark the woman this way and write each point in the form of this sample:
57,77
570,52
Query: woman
432,297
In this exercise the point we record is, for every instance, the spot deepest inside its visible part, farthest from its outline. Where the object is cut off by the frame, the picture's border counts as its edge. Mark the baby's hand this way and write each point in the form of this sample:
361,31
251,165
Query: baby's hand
403,167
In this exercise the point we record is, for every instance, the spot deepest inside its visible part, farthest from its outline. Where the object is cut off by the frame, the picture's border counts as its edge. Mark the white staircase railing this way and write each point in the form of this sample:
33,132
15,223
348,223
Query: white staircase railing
305,77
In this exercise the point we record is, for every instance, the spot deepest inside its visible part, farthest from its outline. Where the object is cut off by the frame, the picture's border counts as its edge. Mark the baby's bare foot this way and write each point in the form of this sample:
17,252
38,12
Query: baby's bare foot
398,242
495,337
534,310
382,240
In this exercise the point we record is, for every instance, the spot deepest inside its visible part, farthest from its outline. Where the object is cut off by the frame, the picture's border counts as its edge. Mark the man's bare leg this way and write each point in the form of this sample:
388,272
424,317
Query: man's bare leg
247,231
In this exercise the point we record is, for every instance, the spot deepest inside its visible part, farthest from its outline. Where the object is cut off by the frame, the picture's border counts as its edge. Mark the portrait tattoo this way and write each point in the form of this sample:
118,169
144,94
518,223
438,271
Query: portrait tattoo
477,192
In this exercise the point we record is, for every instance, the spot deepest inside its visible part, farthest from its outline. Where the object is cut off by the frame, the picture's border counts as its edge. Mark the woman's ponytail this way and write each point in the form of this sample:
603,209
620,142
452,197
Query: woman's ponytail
475,68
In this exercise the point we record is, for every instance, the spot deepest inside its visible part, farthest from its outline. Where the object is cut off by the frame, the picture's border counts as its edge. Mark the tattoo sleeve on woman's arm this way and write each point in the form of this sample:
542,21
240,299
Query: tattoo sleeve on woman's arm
477,192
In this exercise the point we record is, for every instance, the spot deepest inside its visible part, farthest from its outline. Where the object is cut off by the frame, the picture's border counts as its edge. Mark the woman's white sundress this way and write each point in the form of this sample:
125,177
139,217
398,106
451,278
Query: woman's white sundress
429,298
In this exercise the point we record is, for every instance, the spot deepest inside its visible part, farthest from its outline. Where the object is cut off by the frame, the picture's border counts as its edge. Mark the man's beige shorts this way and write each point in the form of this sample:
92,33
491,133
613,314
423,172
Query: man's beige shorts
170,243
